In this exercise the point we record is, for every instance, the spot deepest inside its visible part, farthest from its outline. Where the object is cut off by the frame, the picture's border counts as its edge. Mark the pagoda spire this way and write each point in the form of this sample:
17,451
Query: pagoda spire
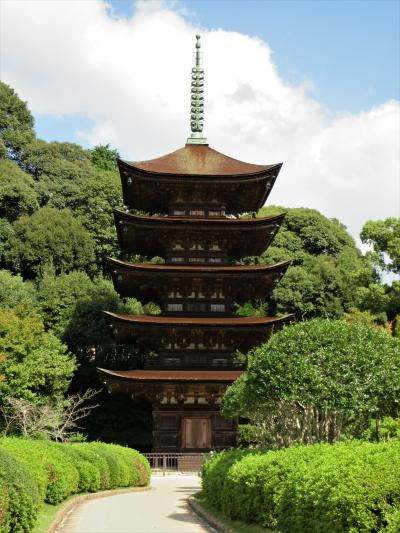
197,99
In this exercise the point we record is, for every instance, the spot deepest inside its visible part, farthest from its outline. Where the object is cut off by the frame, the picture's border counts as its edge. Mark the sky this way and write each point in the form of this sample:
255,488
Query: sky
314,84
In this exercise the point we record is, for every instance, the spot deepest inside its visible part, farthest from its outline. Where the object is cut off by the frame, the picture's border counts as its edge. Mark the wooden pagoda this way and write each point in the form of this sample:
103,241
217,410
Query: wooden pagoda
193,197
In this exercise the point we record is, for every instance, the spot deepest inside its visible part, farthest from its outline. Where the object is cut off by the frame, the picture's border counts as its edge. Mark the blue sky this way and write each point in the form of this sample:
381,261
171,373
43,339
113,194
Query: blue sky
349,49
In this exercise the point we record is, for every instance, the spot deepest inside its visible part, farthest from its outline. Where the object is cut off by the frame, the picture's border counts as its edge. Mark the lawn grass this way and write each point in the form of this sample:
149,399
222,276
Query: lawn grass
47,514
236,526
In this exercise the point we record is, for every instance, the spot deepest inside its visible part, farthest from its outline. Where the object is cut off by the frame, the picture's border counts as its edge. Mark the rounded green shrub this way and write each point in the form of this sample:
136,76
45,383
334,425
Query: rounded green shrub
97,460
18,449
214,472
138,466
62,475
19,495
119,475
89,473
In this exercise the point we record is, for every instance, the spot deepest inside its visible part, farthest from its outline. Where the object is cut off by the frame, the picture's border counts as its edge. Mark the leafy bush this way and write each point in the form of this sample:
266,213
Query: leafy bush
19,495
36,468
96,460
89,474
62,475
118,470
138,465
347,487
214,473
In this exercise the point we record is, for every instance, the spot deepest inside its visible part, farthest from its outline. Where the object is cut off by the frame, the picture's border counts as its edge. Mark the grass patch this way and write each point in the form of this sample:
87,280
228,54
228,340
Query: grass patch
236,526
47,514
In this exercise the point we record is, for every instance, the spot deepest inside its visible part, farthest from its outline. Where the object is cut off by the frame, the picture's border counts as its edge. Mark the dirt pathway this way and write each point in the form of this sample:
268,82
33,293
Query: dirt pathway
162,509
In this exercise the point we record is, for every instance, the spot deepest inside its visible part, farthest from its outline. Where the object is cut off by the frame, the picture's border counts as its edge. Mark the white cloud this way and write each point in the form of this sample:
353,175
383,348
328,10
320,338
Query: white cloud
131,77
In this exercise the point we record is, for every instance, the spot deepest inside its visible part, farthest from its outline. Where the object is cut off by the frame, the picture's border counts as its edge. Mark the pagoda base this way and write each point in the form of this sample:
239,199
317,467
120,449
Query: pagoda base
185,405
187,430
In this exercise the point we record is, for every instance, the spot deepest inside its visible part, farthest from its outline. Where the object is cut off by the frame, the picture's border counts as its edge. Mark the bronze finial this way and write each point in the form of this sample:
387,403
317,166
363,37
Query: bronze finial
197,99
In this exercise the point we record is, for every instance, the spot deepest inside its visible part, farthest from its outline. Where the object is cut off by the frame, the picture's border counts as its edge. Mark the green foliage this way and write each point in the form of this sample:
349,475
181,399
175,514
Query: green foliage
73,304
34,365
54,162
97,196
384,237
327,268
104,157
16,123
50,238
17,193
66,178
96,460
6,231
346,372
343,488
138,467
62,475
386,430
89,473
19,498
119,472
247,436
214,473
19,448
15,293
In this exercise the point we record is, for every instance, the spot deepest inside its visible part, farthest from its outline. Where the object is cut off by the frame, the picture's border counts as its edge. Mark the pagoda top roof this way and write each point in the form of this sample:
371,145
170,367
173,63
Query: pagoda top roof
172,375
198,160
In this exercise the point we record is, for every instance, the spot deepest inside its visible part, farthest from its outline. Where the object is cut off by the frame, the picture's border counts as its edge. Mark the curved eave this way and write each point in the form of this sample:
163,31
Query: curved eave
194,271
196,160
202,376
262,171
147,321
150,235
148,282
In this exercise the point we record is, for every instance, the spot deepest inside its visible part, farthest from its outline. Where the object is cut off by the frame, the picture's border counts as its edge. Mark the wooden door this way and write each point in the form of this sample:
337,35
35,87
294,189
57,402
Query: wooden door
196,433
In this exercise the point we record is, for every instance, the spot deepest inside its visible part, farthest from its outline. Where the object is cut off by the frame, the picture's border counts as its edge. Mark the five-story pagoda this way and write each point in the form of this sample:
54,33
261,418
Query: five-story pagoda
193,197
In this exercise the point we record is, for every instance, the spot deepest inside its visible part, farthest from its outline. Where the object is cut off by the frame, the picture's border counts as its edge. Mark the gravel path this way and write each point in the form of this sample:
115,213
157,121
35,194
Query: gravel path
162,509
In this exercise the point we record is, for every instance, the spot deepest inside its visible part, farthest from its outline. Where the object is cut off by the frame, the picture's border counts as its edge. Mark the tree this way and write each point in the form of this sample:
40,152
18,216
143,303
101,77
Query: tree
72,305
17,293
50,238
327,267
17,192
16,123
317,378
34,365
94,202
104,157
384,237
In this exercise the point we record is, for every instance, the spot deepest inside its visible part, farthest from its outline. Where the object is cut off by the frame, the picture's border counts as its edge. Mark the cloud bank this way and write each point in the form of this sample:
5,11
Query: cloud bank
131,78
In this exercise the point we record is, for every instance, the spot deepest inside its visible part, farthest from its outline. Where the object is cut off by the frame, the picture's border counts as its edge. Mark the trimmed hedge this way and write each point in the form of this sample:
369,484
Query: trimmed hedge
34,471
346,487
60,474
19,495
